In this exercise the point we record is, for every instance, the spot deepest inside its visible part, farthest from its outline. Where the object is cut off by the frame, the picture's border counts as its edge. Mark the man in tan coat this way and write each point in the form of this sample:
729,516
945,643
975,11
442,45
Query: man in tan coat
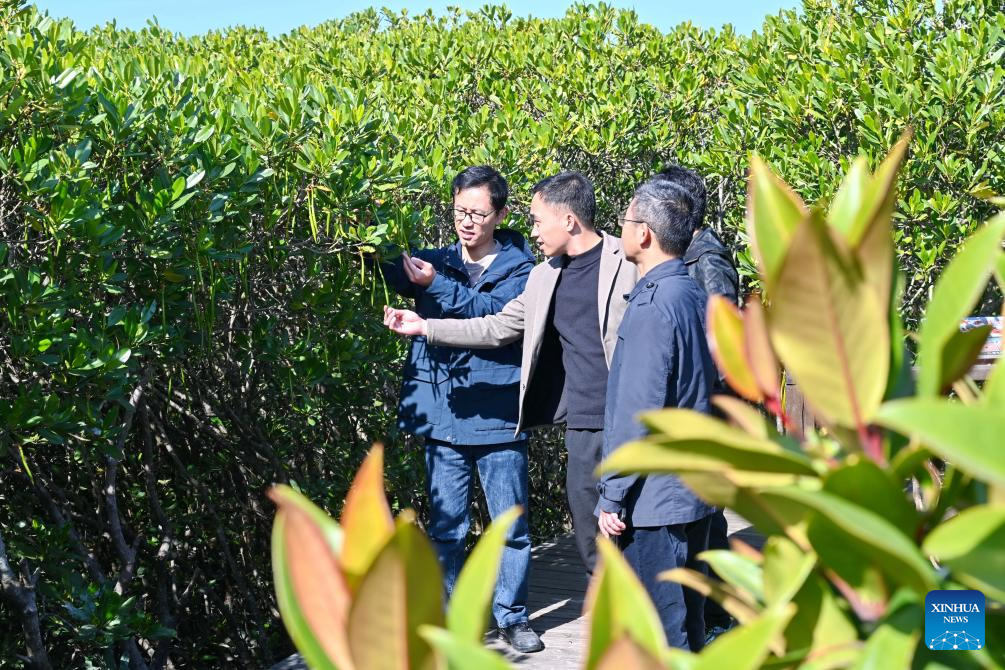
568,316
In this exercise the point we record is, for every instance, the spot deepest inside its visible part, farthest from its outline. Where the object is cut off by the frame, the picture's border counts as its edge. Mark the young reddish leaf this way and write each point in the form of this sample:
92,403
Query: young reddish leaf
760,356
366,517
311,590
727,344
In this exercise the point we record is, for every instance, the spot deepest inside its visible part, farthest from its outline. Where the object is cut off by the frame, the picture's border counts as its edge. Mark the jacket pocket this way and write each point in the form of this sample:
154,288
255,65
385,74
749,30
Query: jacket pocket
420,399
487,399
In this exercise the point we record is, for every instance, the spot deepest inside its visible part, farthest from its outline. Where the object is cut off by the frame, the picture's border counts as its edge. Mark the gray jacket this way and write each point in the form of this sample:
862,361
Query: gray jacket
527,316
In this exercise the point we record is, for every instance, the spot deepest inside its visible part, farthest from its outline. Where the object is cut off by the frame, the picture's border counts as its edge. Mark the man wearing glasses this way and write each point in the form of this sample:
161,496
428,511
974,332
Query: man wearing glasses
661,360
464,401
568,317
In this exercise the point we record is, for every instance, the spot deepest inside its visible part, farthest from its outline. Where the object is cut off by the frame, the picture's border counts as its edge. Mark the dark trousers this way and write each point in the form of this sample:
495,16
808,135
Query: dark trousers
718,538
651,551
584,447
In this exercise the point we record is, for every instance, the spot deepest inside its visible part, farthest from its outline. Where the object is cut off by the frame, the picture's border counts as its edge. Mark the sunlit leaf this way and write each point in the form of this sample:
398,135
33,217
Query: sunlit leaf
957,290
472,594
829,329
773,213
366,517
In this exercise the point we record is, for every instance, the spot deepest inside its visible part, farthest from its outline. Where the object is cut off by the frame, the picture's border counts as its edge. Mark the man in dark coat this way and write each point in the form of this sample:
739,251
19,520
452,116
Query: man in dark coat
710,264
661,360
464,401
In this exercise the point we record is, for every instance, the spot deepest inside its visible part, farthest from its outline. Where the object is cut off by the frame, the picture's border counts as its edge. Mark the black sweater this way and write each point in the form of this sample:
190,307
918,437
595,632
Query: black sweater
577,320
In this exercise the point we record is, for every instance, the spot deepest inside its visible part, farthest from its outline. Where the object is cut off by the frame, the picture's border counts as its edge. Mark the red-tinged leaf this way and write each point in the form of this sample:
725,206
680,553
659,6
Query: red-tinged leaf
760,356
311,590
366,517
727,343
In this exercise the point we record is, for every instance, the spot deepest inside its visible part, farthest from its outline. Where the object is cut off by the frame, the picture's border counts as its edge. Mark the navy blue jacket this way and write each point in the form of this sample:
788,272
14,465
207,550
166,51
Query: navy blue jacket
661,360
463,396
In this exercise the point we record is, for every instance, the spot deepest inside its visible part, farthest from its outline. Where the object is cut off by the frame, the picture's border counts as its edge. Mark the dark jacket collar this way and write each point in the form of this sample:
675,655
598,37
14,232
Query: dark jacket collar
705,242
666,269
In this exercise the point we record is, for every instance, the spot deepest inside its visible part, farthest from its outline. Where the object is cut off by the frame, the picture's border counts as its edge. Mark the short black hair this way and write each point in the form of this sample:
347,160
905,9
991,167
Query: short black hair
693,183
570,189
483,175
667,209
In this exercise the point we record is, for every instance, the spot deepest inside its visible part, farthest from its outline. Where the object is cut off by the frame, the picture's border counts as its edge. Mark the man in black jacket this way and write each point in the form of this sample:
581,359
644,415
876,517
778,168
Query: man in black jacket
710,265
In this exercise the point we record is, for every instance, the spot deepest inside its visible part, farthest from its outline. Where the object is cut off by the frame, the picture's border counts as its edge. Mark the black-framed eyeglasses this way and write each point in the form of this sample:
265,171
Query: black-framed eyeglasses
622,221
476,217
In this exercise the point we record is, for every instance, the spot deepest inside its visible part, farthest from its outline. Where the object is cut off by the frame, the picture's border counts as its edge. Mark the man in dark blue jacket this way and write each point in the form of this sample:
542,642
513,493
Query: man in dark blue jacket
464,402
661,360
710,265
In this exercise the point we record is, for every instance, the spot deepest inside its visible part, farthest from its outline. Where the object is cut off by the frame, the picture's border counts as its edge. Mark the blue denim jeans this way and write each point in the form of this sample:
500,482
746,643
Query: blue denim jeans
502,470
650,551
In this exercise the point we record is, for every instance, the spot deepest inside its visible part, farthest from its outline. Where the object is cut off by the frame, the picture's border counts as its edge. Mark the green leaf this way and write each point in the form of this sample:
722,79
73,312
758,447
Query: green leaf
893,643
994,387
972,545
960,353
618,605
830,329
401,591
969,436
746,647
773,213
204,134
702,435
194,178
472,594
462,653
739,571
845,213
784,570
886,546
954,296
177,188
871,487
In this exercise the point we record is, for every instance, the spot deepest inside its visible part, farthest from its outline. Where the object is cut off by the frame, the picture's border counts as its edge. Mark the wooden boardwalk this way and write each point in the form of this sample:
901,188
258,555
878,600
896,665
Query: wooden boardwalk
557,590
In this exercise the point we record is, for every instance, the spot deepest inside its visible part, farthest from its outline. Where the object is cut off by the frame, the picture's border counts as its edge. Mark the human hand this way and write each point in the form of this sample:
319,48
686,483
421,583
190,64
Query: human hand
404,321
610,524
419,271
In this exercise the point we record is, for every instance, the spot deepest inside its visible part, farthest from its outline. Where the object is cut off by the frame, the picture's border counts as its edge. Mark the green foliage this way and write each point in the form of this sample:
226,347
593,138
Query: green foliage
184,314
847,546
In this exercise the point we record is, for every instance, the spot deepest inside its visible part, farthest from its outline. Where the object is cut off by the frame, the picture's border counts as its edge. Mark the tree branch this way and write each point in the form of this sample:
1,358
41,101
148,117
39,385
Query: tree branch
19,592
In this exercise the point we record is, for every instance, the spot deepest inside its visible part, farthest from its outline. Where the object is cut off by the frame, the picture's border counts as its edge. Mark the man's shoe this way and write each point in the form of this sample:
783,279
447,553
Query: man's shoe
521,637
717,630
